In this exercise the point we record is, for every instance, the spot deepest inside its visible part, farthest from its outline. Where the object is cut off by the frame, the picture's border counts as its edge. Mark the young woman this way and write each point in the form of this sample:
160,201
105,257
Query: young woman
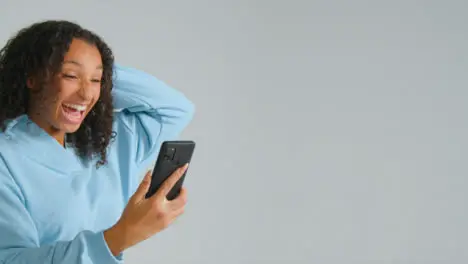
78,134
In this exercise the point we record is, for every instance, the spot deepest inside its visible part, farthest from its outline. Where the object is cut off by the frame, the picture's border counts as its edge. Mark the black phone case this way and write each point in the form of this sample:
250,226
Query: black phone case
172,155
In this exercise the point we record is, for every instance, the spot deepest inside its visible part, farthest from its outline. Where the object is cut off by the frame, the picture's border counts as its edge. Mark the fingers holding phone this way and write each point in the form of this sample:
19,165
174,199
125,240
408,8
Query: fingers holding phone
170,182
144,217
158,201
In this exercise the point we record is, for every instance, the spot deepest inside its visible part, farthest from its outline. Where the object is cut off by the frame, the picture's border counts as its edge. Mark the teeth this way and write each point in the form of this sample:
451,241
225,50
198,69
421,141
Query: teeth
76,107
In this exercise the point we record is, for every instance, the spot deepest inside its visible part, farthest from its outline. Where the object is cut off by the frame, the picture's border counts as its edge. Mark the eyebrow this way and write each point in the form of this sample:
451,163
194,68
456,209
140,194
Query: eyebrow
79,64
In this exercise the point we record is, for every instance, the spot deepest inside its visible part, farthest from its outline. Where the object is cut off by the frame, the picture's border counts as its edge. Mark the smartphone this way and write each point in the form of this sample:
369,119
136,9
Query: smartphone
172,155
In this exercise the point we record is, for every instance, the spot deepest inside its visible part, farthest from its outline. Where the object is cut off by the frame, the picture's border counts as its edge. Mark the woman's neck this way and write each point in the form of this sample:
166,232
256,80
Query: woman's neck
49,129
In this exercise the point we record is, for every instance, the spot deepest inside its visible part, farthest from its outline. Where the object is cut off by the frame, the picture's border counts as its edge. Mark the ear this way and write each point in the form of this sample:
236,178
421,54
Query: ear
31,83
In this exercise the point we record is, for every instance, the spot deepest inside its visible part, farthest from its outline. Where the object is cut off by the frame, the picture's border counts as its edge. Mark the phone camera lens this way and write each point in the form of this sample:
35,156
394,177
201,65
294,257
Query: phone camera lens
170,153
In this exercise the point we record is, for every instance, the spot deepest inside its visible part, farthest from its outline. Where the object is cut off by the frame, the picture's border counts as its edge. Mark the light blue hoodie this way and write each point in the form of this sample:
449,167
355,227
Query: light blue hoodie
54,207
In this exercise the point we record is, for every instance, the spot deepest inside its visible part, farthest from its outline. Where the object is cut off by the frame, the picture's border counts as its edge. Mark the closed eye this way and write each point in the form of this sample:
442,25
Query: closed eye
96,80
69,76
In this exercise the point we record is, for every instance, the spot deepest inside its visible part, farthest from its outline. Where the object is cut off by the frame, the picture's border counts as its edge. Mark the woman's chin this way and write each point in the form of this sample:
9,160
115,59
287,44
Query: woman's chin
69,128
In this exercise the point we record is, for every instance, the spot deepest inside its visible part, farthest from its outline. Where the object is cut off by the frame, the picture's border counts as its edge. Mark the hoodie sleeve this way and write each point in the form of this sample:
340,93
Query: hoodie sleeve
151,111
19,241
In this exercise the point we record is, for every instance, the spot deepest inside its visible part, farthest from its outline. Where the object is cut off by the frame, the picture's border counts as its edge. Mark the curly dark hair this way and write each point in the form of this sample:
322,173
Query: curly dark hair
39,50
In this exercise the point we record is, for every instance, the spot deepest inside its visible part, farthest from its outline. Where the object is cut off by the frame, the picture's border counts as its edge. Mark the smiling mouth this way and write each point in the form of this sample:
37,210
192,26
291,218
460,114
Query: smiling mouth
74,113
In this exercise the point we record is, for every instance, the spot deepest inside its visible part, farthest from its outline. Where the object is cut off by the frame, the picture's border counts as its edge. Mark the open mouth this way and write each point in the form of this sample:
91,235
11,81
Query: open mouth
73,113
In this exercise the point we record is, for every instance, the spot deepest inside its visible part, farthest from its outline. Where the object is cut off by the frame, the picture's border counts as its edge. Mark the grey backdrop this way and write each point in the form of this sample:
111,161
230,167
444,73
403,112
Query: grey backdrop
328,131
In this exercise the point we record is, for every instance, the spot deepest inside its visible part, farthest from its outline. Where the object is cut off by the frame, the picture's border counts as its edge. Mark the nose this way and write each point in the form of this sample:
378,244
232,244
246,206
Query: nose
85,91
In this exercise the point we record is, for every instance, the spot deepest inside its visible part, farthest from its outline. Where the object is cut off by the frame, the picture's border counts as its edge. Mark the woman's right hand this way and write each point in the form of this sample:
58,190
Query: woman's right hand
142,218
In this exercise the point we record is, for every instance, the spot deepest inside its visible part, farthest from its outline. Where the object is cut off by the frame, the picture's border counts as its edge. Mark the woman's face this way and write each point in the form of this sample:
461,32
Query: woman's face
61,106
